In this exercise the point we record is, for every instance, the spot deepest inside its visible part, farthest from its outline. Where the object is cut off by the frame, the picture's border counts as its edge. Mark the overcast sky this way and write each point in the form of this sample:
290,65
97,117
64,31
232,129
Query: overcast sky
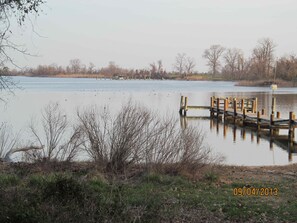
134,33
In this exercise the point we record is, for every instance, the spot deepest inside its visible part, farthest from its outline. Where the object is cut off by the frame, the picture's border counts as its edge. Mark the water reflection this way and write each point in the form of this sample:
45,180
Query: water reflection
277,140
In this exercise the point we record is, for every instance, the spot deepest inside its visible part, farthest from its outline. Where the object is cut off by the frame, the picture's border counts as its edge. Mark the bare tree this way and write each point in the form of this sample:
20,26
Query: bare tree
189,65
287,68
234,61
213,55
179,65
54,141
75,66
20,9
157,67
156,70
263,57
91,68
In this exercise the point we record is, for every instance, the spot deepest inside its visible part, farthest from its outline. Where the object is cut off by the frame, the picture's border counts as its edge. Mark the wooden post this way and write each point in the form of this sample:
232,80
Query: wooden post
256,105
181,105
242,104
244,116
218,107
276,131
271,124
225,108
211,106
273,105
263,111
229,102
291,128
258,121
234,109
186,106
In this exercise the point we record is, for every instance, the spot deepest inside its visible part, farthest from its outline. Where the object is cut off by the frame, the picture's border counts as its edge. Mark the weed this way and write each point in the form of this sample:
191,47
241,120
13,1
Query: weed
211,177
63,189
9,180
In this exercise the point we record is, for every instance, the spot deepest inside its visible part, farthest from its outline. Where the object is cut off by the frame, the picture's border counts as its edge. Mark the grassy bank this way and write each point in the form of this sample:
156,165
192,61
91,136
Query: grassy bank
79,192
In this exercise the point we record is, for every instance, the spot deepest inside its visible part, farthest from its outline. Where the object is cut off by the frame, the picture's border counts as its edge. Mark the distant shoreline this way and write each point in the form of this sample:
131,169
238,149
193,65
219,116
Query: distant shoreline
242,83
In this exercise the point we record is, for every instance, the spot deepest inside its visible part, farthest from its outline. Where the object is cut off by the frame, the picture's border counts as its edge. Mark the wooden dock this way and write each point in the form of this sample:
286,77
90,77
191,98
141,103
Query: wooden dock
245,112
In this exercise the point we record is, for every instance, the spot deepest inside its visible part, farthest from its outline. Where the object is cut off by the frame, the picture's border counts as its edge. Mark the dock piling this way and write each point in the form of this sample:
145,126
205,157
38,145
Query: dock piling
271,131
273,105
291,127
181,105
258,120
186,106
225,108
234,109
218,107
211,106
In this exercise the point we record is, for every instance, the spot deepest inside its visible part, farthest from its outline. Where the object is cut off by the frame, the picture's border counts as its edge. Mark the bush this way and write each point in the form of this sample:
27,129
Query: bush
63,189
136,136
53,142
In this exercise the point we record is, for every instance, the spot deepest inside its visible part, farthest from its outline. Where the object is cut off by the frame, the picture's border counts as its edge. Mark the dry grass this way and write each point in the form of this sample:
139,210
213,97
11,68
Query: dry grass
80,75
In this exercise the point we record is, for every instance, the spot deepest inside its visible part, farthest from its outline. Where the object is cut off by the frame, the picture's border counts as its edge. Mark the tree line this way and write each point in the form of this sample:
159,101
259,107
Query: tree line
224,63
261,65
112,70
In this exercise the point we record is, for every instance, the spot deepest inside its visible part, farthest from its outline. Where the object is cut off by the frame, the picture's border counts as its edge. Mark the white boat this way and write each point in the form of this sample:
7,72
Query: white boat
273,87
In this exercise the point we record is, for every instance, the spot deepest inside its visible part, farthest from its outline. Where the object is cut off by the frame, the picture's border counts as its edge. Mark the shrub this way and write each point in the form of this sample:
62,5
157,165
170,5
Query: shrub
54,143
136,136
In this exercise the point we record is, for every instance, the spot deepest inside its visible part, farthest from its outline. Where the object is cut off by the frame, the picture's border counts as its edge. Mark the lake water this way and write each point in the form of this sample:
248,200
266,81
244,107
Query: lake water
238,146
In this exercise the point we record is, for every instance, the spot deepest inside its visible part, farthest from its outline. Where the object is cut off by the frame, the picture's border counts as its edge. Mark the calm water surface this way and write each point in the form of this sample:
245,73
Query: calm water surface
236,145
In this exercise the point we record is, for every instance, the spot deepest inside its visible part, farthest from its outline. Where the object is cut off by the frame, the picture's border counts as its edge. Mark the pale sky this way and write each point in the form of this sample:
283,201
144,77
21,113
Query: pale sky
134,33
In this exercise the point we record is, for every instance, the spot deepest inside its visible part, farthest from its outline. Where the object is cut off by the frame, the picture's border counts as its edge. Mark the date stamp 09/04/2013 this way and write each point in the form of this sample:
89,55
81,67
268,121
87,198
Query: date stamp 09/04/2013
254,191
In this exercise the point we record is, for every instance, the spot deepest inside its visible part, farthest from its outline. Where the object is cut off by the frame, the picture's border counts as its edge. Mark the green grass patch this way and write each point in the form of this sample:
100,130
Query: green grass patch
9,180
150,198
